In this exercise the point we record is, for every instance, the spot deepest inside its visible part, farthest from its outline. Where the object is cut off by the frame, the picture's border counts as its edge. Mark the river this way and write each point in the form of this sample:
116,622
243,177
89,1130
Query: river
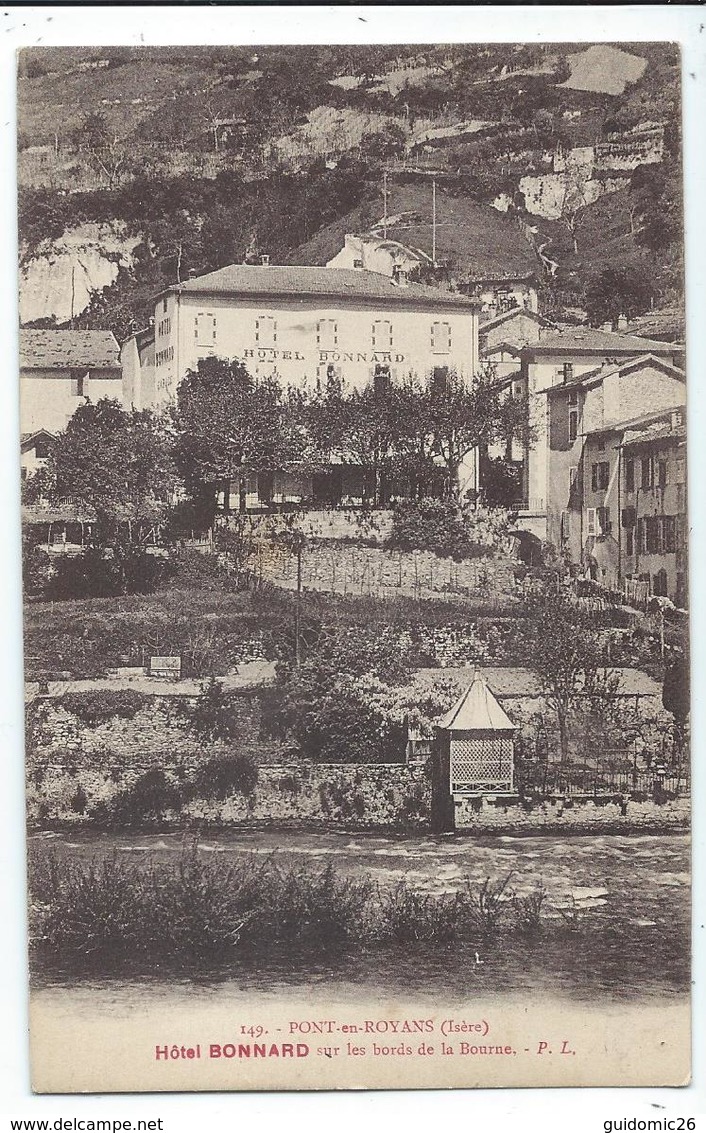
629,897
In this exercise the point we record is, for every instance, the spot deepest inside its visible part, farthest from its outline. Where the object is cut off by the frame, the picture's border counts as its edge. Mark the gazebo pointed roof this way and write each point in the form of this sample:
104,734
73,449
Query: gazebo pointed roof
476,710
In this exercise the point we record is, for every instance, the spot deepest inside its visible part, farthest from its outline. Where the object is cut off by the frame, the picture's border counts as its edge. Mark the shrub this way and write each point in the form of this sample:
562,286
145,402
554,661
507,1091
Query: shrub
434,525
220,777
147,800
212,717
95,707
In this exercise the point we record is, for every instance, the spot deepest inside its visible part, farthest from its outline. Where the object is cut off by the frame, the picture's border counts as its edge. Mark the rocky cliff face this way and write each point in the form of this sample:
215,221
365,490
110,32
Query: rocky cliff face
60,279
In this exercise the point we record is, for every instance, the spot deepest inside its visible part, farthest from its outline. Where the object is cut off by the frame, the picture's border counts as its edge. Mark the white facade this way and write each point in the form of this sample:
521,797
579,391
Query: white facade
289,331
62,369
50,397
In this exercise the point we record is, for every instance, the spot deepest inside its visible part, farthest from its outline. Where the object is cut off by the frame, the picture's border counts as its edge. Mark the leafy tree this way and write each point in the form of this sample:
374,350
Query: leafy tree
566,656
463,417
618,291
369,434
230,425
119,465
414,443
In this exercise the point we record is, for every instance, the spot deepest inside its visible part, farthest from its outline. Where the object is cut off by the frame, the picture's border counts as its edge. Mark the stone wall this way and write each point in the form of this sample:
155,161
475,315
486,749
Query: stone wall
77,769
578,815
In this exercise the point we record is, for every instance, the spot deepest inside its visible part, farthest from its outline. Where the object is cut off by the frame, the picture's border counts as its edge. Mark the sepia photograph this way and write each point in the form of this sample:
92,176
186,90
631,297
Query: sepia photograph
355,553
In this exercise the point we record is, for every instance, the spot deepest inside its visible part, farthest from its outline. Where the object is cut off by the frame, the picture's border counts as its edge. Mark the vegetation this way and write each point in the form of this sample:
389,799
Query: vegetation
194,910
438,526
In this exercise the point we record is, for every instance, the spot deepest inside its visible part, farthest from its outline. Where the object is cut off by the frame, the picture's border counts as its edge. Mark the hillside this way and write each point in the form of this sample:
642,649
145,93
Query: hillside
471,238
189,156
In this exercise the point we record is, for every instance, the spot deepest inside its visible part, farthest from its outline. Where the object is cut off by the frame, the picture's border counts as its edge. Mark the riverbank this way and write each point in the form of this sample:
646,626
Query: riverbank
540,911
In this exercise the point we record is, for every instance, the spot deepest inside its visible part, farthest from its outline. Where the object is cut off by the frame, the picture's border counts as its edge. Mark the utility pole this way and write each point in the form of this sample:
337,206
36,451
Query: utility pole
433,222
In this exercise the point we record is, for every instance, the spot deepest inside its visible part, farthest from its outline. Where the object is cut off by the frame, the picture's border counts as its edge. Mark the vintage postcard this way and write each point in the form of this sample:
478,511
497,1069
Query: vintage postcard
355,560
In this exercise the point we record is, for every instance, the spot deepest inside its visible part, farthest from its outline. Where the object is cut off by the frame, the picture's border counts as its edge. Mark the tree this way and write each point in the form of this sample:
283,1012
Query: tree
618,291
566,657
105,151
118,464
573,199
463,418
414,445
369,434
230,425
676,697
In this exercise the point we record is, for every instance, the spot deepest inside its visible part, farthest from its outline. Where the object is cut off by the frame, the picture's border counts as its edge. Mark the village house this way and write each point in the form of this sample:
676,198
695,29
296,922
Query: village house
62,369
634,510
588,514
496,292
565,377
137,361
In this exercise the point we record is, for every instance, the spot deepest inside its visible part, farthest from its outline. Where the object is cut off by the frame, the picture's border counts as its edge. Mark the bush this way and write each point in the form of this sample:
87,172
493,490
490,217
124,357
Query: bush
148,800
434,525
103,704
221,777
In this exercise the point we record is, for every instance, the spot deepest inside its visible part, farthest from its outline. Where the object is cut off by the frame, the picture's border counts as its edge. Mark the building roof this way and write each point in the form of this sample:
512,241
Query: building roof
318,282
599,373
491,324
68,349
476,710
29,440
655,417
507,683
589,340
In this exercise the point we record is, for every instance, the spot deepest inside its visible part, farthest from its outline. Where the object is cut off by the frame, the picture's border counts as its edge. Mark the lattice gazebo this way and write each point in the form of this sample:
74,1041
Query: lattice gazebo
474,750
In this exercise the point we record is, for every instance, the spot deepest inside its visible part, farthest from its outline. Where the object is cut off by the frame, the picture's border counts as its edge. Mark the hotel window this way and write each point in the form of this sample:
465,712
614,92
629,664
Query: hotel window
327,334
653,536
78,385
441,338
629,475
603,520
681,470
266,331
382,334
567,371
205,328
440,380
381,380
648,472
573,416
630,543
164,305
564,528
591,521
670,534
662,473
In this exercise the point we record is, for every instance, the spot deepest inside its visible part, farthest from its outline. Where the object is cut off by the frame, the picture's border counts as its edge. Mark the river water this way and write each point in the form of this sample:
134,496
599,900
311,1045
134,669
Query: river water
628,896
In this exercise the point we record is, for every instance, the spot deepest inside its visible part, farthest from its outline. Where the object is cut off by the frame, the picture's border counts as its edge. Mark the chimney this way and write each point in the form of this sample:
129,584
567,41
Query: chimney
622,323
192,273
150,323
399,276
265,261
607,326
358,265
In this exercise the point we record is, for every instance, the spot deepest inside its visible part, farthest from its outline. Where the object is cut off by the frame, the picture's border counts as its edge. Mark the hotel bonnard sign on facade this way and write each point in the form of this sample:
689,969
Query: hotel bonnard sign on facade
272,354
203,919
